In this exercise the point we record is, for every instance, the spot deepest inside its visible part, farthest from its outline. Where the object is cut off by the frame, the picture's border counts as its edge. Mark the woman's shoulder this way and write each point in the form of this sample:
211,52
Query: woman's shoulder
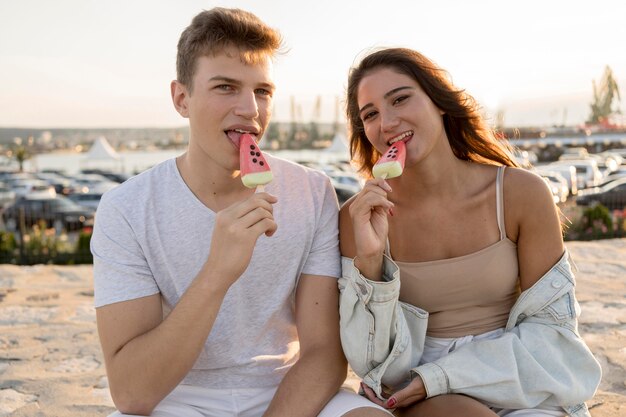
525,187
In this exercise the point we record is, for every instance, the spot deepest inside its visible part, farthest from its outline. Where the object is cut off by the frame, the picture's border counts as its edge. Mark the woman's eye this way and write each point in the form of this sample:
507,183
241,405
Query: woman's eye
400,99
369,115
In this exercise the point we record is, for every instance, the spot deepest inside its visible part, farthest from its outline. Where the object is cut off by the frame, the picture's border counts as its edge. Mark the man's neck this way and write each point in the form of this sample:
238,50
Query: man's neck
214,186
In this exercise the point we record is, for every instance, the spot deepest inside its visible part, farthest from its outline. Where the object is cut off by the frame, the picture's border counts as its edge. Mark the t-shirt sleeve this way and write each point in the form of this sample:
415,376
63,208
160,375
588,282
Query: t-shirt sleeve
120,269
324,257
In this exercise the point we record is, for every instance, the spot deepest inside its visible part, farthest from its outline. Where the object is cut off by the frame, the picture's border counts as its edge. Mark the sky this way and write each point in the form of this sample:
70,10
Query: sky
109,63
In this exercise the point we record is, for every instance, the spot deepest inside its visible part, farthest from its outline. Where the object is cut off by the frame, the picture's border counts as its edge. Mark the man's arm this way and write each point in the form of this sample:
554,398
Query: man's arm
318,374
146,356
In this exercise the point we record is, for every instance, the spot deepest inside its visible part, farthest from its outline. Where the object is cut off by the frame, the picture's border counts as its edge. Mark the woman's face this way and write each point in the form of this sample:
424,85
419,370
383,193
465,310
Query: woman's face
393,106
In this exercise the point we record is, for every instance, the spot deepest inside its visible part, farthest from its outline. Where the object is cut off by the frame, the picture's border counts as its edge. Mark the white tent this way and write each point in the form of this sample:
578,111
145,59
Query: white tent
102,153
339,147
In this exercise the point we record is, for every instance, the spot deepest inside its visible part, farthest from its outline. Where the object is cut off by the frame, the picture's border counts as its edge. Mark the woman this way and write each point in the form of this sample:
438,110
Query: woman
457,295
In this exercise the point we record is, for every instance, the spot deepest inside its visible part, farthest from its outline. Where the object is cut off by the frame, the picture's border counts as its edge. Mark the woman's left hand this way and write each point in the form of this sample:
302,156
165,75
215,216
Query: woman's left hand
412,393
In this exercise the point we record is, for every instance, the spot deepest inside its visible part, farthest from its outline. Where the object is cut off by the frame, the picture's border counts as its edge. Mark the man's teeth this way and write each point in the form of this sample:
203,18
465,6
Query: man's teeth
399,138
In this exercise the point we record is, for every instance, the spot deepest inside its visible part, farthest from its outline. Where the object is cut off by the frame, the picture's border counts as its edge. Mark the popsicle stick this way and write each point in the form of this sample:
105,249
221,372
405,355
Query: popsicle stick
383,177
260,188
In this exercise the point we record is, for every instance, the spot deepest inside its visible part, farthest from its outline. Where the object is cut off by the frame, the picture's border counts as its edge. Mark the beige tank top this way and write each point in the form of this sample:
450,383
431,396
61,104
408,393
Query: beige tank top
469,294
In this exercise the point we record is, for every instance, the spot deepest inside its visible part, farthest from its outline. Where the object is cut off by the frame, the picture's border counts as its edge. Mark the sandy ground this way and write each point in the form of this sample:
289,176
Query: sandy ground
51,366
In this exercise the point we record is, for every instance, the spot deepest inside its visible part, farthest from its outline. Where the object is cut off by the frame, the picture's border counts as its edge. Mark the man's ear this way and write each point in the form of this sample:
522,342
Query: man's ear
179,98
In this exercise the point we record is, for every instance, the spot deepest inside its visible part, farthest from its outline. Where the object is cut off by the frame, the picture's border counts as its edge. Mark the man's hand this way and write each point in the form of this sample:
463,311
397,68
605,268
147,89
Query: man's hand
236,231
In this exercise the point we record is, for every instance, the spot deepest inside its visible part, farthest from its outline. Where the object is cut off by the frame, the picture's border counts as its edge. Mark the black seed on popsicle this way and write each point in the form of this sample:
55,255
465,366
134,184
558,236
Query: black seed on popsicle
252,147
254,160
261,163
258,154
252,153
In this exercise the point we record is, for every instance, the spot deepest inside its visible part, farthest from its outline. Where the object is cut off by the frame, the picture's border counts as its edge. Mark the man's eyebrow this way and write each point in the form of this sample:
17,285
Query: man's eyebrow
268,85
387,94
229,80
225,79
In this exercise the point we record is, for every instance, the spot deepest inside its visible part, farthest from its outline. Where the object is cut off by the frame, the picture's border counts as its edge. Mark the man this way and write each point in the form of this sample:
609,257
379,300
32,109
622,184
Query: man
214,300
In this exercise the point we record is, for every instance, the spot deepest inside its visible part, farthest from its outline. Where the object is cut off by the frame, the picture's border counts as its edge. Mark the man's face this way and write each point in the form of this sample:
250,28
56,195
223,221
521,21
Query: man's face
229,97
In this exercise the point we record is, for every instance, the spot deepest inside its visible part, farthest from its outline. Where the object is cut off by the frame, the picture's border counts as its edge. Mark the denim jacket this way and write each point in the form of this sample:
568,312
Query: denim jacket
540,360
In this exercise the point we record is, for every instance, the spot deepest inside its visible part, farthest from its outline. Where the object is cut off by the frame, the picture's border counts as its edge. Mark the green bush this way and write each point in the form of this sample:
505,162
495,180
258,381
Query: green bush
83,251
8,247
597,222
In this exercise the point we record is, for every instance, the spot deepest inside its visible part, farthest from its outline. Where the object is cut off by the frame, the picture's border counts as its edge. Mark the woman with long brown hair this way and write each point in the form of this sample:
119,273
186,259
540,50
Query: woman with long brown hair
457,295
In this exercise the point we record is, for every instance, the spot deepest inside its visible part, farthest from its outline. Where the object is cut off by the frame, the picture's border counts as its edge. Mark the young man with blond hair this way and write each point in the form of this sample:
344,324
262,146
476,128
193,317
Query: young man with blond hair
213,299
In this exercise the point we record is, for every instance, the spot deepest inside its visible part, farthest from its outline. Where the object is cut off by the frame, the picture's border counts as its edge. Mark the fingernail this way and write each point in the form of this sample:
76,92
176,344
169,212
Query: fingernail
391,402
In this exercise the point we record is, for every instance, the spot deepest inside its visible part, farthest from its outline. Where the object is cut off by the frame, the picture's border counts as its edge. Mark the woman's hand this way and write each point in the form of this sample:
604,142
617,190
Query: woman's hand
412,393
368,212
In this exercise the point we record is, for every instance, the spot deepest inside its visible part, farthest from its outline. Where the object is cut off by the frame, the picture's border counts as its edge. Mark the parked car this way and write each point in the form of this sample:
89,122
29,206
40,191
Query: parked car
57,212
6,195
557,185
89,200
589,175
32,188
612,196
567,171
344,191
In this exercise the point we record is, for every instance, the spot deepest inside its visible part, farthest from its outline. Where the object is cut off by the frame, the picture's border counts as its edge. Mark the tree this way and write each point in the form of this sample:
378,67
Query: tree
21,154
604,95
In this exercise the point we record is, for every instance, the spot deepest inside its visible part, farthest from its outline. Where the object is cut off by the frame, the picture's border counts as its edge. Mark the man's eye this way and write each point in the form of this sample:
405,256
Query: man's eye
263,92
224,87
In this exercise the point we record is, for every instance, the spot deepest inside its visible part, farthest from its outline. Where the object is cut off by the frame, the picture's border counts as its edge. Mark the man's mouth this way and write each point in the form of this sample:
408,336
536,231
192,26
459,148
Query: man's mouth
235,135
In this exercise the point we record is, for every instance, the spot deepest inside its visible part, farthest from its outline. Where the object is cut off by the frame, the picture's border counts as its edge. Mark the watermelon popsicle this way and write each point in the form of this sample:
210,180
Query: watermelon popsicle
391,164
254,170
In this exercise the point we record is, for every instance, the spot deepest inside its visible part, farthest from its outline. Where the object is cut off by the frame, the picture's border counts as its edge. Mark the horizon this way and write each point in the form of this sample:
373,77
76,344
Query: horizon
95,65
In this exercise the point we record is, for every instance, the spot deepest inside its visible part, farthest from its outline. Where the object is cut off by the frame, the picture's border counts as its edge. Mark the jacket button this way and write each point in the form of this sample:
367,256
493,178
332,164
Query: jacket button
557,283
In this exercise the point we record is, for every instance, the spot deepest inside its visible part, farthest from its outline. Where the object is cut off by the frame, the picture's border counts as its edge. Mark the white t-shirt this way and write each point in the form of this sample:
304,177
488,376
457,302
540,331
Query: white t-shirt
152,235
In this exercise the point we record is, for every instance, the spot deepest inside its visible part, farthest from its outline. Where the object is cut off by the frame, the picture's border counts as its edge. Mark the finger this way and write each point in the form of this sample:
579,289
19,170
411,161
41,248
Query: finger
371,395
267,196
369,202
250,204
405,402
265,226
406,396
374,188
255,216
380,183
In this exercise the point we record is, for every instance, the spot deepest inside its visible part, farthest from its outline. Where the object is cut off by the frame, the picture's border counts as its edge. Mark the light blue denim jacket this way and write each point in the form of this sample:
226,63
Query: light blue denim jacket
540,360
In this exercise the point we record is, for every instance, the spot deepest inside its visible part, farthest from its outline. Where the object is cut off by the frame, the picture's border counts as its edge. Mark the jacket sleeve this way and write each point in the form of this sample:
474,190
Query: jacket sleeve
379,343
540,358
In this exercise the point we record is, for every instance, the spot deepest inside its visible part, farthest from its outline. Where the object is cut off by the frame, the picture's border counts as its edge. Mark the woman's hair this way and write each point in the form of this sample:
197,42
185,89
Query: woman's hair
212,31
469,136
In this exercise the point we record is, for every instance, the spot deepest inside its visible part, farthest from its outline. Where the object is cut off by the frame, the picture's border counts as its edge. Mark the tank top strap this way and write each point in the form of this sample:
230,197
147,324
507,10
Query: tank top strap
500,201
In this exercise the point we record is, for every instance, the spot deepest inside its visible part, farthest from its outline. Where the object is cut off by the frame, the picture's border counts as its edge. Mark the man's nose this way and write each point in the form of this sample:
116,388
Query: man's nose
247,106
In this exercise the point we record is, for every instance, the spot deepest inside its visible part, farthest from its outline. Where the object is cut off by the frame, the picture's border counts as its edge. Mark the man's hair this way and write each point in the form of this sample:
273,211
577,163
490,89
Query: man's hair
468,134
211,31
